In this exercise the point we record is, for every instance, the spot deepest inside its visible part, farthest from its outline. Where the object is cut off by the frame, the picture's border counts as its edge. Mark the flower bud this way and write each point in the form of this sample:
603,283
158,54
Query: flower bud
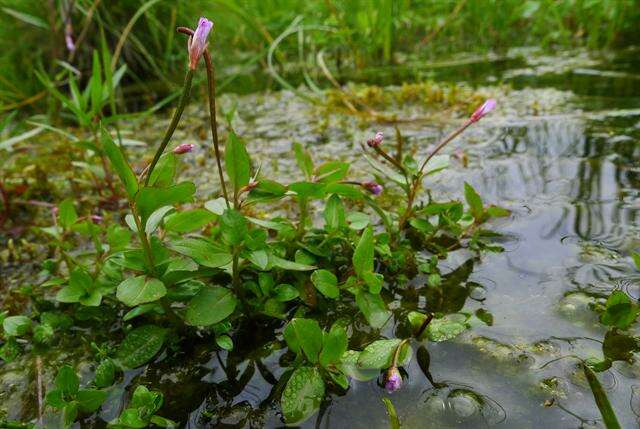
393,380
96,219
376,140
487,107
373,187
198,42
183,148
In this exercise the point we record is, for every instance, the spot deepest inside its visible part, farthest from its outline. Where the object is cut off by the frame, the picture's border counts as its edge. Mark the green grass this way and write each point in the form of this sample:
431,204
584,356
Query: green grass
364,33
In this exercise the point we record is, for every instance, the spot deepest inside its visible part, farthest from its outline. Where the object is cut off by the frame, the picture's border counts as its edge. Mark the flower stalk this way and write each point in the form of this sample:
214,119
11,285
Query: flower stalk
186,91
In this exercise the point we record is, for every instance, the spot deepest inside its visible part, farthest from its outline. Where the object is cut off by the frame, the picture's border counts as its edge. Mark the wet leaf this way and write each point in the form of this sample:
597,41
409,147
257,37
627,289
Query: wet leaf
140,345
211,305
285,292
302,395
373,308
619,311
445,329
618,346
16,326
379,354
305,335
334,345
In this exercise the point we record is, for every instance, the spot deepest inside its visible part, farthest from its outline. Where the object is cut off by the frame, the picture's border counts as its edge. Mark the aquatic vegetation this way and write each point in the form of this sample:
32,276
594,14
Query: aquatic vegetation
182,269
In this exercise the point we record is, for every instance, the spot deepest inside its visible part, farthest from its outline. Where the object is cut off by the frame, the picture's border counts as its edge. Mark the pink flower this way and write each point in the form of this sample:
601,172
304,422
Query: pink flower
393,381
487,107
198,42
183,148
376,140
96,219
373,187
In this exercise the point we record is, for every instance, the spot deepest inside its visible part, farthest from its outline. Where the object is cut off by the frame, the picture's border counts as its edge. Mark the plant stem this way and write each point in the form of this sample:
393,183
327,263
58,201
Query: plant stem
144,240
424,325
417,179
213,119
186,90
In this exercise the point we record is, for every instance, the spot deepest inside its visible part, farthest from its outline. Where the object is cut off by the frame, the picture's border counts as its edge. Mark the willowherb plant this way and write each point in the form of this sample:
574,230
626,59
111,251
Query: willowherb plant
208,268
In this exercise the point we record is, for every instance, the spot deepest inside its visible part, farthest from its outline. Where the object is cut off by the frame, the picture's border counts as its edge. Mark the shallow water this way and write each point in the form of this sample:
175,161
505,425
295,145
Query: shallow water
561,153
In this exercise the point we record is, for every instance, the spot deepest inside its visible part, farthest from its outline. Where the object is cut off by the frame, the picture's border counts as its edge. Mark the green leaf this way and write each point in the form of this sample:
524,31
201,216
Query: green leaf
155,219
188,221
602,401
290,265
91,299
308,189
149,199
619,311
326,283
302,395
120,164
394,421
332,171
16,326
89,400
363,255
95,84
202,251
211,305
485,316
224,342
374,281
334,345
140,290
334,216
379,354
305,335
358,220
237,162
140,345
217,206
164,172
304,160
105,373
67,381
446,328
80,279
260,258
67,215
636,259
70,413
234,227
349,366
474,201
373,308
27,18
285,292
